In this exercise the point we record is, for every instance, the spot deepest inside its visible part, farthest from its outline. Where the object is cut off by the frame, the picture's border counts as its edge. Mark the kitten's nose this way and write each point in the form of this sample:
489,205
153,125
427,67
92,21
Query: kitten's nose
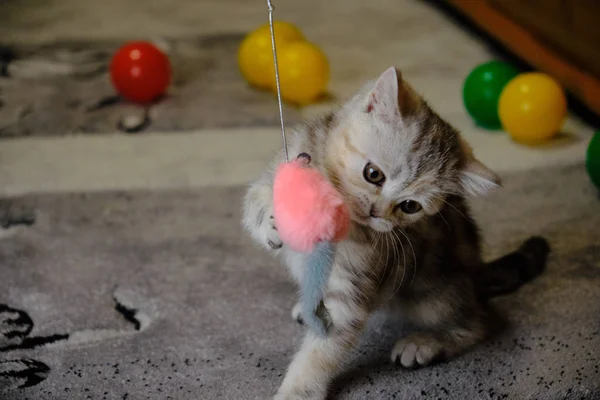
372,212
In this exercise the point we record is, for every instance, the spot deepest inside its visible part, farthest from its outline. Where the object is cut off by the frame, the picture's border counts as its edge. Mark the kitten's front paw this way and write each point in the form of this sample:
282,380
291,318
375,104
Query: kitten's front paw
417,350
258,216
297,313
271,237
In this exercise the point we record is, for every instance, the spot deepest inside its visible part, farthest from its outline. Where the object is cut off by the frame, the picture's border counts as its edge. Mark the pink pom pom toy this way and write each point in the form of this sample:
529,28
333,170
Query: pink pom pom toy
310,216
307,208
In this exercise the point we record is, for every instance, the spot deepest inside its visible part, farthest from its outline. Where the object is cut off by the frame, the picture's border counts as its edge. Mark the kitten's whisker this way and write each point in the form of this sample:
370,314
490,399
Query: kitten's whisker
374,242
484,239
382,276
452,193
442,216
453,206
387,250
395,272
437,210
396,254
395,290
414,257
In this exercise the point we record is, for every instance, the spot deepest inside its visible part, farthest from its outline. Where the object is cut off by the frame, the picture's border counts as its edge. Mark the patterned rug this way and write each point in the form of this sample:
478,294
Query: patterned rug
160,295
63,88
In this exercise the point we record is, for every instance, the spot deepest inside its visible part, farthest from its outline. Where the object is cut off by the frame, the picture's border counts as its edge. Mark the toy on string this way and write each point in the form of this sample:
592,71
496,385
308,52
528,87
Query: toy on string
310,215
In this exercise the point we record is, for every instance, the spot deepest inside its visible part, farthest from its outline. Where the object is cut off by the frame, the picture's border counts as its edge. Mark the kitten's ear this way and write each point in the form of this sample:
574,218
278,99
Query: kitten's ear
391,97
475,178
383,98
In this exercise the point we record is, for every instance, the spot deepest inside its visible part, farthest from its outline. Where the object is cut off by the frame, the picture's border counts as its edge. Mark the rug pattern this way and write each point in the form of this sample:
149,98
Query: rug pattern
137,295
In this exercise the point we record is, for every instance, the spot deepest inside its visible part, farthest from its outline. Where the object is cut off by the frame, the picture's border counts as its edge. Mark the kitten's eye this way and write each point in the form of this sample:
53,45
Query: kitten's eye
373,174
409,207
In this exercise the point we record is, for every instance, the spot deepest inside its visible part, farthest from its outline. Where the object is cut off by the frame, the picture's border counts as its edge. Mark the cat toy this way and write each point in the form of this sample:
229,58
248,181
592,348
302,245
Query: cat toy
310,215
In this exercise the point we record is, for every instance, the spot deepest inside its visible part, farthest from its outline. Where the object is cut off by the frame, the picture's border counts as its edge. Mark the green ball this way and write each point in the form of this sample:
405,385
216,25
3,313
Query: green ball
482,90
592,160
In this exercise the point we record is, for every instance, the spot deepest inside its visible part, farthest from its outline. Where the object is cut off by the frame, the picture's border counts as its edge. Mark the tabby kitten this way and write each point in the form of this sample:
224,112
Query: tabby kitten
413,247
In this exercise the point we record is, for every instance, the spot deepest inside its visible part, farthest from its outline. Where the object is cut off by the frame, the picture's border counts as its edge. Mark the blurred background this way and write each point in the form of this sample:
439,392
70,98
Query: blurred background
56,90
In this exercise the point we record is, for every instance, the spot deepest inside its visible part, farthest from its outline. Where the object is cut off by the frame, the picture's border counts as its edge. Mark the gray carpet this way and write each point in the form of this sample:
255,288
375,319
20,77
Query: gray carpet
160,295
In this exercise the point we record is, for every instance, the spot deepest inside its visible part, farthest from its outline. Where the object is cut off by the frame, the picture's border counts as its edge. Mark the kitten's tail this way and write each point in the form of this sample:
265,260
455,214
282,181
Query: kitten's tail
508,273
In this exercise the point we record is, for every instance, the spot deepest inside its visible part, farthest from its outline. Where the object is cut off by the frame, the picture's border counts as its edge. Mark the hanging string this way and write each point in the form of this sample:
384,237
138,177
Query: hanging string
271,8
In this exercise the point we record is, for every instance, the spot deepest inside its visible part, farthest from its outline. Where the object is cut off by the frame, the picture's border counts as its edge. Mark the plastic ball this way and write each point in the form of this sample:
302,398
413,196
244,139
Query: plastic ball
482,89
532,108
140,72
303,72
592,161
255,54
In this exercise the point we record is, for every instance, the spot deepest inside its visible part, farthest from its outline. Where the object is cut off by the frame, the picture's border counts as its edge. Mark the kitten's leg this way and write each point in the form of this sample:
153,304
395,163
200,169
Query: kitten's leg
320,360
454,326
258,213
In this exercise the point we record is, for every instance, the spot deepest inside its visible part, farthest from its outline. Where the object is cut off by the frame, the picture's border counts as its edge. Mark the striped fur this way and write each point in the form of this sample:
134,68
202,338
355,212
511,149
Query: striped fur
426,265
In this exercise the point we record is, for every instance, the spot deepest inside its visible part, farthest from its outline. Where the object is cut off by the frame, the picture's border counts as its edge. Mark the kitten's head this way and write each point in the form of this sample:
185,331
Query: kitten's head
396,161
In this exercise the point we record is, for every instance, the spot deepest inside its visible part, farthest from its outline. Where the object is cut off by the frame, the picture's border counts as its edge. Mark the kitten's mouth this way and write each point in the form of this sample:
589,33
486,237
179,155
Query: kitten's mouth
357,215
362,220
377,224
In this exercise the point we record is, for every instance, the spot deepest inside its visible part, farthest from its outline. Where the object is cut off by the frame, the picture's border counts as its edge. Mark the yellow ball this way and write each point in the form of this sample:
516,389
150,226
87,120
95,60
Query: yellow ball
255,57
532,108
303,72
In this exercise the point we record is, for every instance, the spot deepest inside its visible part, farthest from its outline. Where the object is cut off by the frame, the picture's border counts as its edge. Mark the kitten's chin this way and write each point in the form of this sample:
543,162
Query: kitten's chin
381,225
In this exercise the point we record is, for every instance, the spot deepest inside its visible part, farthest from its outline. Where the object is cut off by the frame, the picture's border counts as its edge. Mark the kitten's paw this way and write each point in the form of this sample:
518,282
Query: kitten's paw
258,216
297,313
268,234
417,350
272,236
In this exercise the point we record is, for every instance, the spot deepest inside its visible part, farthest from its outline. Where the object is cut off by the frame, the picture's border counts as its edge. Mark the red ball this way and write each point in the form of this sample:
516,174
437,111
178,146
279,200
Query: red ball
140,72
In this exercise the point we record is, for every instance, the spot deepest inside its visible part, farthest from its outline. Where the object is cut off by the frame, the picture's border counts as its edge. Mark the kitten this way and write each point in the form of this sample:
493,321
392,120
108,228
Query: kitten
413,248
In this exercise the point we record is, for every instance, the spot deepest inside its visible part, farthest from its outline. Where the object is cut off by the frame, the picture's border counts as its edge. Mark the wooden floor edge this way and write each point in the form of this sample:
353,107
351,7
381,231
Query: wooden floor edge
523,44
